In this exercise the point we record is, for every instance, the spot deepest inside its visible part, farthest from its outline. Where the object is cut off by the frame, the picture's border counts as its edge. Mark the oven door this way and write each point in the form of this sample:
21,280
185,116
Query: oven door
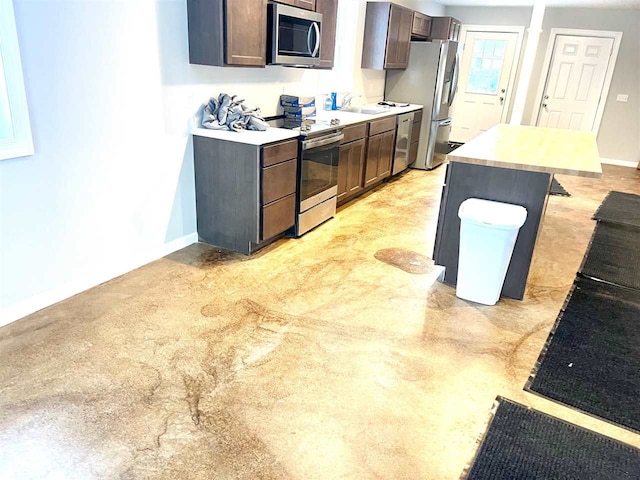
294,35
319,170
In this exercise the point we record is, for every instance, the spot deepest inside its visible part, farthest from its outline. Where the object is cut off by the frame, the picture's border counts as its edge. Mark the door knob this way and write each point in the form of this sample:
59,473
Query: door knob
544,105
501,99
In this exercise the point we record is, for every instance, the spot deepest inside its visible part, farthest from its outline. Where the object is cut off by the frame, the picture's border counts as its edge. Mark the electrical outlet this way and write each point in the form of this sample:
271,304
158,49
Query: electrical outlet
622,97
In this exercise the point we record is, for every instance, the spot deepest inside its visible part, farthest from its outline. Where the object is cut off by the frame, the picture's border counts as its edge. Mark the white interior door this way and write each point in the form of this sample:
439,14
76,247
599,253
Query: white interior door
486,77
575,82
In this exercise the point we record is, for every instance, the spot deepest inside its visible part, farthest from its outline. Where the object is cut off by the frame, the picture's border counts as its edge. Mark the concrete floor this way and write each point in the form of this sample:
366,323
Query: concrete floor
337,355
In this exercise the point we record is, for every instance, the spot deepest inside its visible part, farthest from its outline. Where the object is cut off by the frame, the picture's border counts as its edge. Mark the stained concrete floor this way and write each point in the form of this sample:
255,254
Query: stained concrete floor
334,356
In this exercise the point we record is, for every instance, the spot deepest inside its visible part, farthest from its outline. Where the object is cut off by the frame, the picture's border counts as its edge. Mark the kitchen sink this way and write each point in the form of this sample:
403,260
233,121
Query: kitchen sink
370,110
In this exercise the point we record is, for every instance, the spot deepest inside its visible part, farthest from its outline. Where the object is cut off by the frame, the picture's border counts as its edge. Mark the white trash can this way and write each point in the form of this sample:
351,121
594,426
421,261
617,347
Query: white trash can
488,232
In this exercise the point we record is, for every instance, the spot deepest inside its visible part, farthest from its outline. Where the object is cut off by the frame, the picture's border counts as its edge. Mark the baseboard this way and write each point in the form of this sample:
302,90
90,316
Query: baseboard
38,302
620,163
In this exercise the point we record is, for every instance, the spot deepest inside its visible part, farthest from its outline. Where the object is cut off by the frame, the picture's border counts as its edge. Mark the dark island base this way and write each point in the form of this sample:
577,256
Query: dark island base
518,187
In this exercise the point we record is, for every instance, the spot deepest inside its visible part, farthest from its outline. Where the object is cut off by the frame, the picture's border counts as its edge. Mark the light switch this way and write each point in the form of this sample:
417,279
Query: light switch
622,97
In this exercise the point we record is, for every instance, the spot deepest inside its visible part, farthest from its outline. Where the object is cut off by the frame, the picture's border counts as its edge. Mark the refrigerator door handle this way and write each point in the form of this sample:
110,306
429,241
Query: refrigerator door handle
454,79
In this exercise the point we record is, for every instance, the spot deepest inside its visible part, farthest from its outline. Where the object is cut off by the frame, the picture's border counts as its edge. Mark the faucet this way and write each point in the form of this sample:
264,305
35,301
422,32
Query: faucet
346,101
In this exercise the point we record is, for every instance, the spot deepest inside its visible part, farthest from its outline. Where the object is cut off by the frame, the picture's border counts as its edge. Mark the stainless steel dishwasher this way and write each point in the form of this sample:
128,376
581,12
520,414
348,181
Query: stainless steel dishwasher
403,142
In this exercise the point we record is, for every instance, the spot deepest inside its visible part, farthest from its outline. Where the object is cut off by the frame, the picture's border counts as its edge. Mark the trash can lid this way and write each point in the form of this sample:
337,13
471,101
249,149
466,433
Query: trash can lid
492,213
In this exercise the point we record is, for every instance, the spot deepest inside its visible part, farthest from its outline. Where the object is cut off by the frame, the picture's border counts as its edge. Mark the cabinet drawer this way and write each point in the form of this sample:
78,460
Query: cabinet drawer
279,152
383,125
354,132
278,181
278,217
417,116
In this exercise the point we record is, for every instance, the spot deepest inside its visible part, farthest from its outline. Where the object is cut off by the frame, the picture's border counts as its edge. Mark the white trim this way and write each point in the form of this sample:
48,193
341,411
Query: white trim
617,38
22,142
620,163
38,302
516,56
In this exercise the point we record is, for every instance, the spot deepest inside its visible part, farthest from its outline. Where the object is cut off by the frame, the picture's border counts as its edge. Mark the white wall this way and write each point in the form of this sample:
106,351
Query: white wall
110,92
618,137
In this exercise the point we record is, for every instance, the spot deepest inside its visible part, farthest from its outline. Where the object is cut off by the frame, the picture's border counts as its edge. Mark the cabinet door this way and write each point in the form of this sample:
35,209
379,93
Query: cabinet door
421,26
343,170
387,144
371,161
355,167
351,169
393,37
329,11
404,37
246,33
308,4
398,37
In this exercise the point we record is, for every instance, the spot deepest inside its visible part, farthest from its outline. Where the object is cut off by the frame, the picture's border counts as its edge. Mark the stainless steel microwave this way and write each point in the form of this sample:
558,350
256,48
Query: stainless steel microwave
294,35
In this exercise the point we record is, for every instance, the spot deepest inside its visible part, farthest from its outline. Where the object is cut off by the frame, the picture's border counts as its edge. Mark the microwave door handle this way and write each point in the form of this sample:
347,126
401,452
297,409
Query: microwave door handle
317,48
309,50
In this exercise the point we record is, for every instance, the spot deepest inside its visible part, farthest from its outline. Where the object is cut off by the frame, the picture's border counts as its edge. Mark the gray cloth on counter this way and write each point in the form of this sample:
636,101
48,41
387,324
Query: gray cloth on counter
231,113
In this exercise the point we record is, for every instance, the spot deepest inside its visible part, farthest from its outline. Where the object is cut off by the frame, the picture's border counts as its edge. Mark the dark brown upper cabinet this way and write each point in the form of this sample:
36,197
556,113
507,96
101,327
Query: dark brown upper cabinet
329,11
227,32
306,4
421,26
445,28
387,36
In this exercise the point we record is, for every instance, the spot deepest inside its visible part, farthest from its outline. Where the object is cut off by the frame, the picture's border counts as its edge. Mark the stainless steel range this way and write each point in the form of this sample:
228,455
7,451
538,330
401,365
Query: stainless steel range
318,153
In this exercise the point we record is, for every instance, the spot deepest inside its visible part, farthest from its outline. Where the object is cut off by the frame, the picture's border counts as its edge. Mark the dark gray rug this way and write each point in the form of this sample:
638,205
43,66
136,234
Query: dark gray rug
614,255
557,189
619,207
592,358
524,444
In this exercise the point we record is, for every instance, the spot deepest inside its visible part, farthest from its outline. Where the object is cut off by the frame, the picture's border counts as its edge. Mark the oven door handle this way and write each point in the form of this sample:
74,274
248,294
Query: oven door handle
321,142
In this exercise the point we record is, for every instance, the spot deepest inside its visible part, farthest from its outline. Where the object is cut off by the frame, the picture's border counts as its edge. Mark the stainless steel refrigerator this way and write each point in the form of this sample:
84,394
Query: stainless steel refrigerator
431,80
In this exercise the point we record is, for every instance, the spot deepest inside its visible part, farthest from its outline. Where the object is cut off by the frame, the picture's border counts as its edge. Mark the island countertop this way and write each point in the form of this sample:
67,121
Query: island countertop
549,150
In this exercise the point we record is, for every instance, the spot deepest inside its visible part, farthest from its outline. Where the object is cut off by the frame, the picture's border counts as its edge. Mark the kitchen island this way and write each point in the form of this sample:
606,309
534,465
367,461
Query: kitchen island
511,164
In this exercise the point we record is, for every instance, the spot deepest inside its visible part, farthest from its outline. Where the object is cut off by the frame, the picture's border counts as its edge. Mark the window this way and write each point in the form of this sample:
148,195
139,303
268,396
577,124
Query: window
15,129
486,66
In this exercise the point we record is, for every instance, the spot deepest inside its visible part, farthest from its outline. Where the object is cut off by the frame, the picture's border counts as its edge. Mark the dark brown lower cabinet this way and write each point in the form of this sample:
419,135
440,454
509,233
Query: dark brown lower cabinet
379,157
245,194
350,169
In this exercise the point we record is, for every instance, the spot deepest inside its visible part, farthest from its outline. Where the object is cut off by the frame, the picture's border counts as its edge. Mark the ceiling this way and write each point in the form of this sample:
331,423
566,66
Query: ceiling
549,3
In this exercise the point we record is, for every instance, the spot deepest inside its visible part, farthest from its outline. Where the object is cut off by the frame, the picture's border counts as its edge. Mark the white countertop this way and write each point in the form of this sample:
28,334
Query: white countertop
349,118
272,135
250,137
